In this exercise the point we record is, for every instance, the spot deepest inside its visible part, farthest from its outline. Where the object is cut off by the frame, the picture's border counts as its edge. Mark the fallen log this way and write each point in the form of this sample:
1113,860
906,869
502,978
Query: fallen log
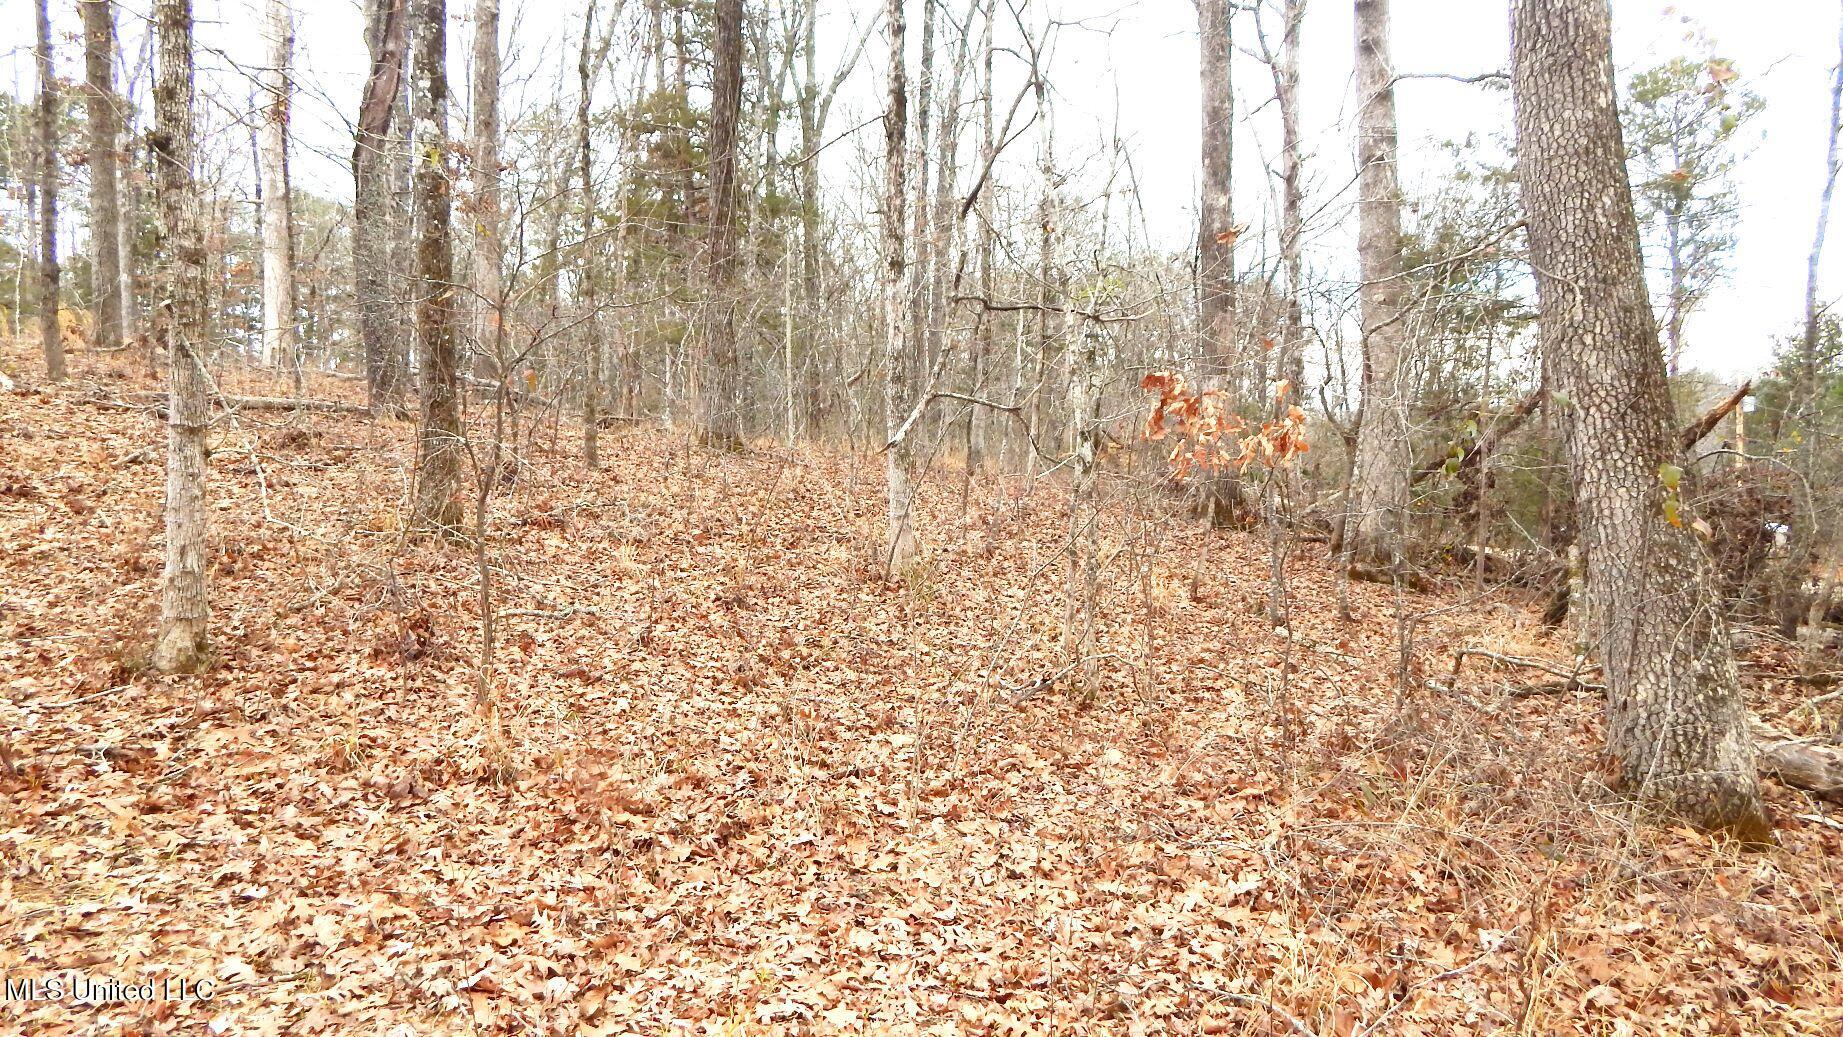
158,399
1800,763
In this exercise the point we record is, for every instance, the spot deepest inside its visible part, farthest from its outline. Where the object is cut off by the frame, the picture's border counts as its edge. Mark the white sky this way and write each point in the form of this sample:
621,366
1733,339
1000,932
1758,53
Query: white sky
1144,54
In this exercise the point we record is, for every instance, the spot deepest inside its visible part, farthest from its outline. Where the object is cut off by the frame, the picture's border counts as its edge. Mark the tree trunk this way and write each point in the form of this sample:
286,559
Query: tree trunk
279,342
373,207
1676,723
105,198
1378,500
488,249
1216,225
179,318
720,397
585,270
49,333
438,464
1289,358
899,550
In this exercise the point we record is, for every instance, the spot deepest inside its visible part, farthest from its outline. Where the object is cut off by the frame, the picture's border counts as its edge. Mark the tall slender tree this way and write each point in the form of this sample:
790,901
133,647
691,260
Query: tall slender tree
47,151
279,340
720,397
440,447
1289,358
99,103
489,249
899,550
1216,223
586,270
179,323
1676,722
373,207
1379,480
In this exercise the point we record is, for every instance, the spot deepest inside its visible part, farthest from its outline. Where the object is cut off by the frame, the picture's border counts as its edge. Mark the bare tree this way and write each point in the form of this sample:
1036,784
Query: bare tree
373,208
719,399
105,201
586,270
1676,722
489,249
48,331
1289,357
1216,224
899,551
440,448
179,322
279,340
1833,164
1378,499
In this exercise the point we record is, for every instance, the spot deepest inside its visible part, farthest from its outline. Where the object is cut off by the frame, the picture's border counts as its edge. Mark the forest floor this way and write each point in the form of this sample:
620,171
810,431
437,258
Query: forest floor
738,783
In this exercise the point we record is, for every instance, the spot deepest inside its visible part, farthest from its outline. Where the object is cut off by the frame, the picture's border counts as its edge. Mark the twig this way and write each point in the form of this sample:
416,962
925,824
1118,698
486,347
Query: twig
1286,1017
74,702
1572,676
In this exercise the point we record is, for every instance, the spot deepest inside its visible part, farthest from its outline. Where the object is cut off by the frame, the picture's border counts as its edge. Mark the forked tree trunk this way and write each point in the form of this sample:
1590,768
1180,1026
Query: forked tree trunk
1676,723
179,320
720,399
105,197
373,207
899,549
48,331
279,343
1378,500
440,448
1216,225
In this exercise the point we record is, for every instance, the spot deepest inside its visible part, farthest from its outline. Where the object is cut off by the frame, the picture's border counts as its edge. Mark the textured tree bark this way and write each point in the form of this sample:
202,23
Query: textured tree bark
899,550
488,248
921,235
720,400
1676,723
988,151
49,333
105,197
1289,358
1216,226
373,207
439,445
1378,500
586,266
178,320
279,343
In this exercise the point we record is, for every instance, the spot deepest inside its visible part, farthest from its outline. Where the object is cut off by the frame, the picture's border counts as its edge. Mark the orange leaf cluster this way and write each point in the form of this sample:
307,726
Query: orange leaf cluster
1206,434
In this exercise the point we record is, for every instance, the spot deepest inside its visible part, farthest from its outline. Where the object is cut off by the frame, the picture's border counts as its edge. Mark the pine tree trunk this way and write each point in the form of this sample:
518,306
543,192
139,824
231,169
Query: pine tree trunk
1676,722
899,550
179,319
1216,226
279,343
488,248
440,448
1378,499
105,212
49,333
720,398
373,207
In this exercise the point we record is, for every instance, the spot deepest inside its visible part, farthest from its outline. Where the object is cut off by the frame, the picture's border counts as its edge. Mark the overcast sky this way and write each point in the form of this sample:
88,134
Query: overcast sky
1139,60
